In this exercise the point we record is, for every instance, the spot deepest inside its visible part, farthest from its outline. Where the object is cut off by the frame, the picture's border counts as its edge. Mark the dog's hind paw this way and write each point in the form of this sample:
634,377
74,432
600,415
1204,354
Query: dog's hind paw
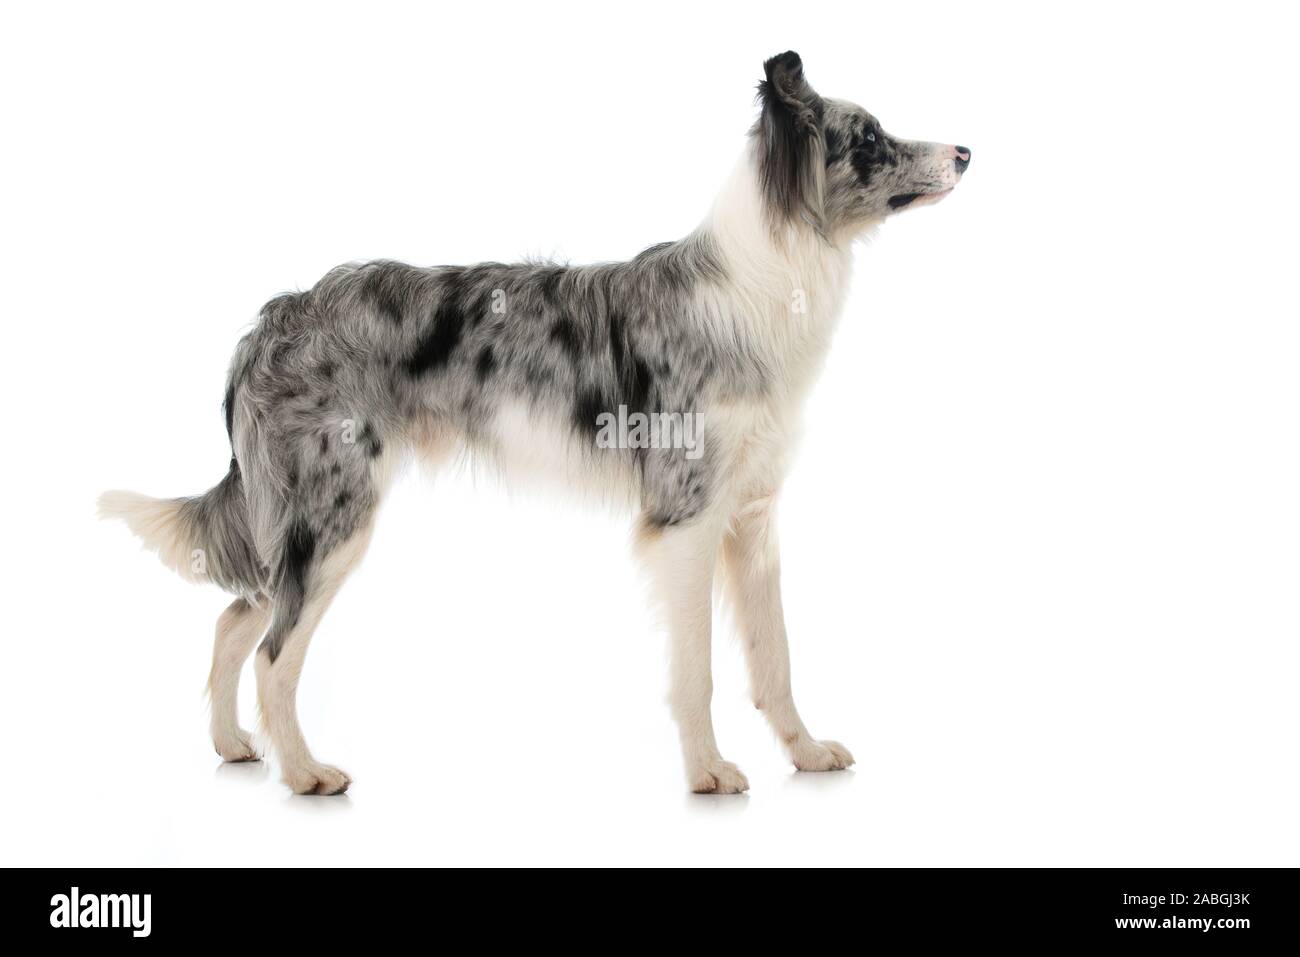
313,778
822,756
717,777
235,745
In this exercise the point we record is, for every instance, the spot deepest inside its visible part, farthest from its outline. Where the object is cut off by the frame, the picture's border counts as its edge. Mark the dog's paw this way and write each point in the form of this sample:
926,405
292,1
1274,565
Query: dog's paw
235,745
313,778
822,756
717,777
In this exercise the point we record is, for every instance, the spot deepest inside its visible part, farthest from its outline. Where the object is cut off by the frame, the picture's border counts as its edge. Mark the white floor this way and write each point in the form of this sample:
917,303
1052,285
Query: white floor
975,744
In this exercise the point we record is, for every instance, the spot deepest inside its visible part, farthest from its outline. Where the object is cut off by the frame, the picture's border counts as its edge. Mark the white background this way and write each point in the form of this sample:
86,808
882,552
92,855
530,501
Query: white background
1041,545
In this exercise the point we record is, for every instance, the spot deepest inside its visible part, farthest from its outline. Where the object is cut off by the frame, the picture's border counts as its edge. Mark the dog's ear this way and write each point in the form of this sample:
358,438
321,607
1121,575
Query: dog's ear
791,151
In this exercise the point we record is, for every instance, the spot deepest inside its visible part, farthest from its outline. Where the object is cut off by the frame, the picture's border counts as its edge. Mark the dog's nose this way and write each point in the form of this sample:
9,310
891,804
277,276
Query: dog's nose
963,158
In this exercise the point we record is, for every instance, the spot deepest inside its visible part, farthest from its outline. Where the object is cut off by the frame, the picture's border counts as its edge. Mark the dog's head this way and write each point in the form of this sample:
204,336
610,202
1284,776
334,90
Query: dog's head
829,165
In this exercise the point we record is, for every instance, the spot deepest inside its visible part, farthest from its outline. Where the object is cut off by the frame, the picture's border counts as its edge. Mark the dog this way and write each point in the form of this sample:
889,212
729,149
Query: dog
529,366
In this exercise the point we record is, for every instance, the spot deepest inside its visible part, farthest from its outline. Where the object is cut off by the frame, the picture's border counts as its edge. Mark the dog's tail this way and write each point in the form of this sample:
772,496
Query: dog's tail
203,539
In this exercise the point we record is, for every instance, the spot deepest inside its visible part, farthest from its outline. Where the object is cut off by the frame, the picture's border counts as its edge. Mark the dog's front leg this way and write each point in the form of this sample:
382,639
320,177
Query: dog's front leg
680,561
752,564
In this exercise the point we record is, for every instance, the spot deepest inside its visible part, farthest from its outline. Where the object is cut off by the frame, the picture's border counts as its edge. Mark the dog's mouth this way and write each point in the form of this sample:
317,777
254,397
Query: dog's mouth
917,199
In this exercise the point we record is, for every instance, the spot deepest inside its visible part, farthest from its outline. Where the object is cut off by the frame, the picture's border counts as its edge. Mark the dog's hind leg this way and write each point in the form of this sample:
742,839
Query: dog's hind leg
680,561
299,606
238,629
752,569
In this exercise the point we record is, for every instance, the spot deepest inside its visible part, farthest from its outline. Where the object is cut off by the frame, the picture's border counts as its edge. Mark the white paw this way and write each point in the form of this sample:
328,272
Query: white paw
313,778
234,745
822,756
717,777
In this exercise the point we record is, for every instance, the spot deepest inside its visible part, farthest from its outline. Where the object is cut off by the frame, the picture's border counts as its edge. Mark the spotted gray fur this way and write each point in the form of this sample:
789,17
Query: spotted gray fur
394,349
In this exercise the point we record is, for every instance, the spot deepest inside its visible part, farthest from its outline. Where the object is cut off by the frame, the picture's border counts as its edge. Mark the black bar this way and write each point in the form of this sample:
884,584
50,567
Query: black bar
1225,908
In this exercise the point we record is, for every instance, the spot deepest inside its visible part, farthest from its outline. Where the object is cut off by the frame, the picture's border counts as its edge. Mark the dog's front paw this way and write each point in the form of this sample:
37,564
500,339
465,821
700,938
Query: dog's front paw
717,777
234,745
313,778
822,756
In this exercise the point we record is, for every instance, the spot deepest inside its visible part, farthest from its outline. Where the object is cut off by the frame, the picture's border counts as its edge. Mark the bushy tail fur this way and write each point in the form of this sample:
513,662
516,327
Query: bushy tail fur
202,539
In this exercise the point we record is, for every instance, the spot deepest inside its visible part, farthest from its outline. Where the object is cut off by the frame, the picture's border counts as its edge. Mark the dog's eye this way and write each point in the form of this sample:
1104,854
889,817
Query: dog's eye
871,137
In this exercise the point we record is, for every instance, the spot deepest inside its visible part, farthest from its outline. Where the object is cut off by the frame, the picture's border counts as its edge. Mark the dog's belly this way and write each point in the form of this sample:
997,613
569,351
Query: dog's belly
524,447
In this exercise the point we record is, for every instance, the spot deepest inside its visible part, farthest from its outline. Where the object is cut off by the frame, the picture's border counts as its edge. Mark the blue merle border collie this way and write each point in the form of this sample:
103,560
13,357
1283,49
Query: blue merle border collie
520,366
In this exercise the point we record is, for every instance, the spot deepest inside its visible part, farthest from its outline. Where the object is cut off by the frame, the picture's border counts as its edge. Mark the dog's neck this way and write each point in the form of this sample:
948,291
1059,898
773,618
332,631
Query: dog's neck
786,285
